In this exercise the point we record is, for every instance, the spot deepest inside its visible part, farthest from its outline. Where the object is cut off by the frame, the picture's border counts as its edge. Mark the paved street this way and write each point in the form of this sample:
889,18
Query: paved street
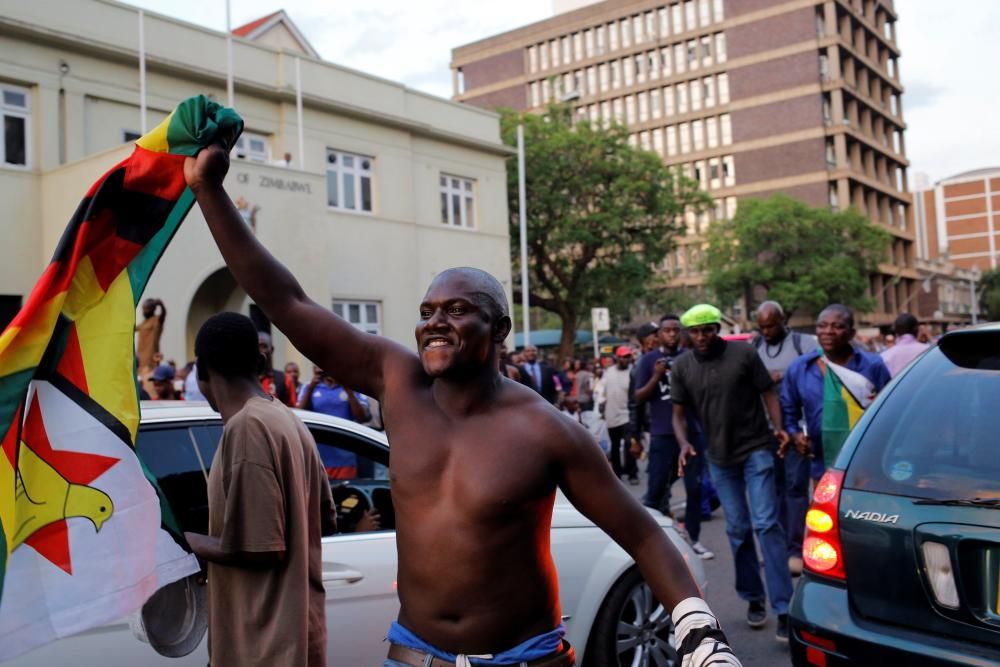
756,648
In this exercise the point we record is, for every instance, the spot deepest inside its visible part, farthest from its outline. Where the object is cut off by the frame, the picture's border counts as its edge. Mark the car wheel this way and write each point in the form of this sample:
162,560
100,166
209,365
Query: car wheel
632,629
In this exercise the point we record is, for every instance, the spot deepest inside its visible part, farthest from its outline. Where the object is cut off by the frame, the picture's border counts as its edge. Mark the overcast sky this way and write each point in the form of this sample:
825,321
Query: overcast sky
949,52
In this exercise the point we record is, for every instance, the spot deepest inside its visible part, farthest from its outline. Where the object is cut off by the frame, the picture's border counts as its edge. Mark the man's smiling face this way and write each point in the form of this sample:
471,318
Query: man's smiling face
455,332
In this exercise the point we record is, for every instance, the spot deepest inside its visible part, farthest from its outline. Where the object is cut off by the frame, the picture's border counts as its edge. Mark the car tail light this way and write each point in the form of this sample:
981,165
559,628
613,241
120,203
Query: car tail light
937,562
821,550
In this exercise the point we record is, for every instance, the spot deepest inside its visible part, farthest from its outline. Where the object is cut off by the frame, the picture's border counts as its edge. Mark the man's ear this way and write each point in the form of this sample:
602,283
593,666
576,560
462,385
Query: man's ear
501,329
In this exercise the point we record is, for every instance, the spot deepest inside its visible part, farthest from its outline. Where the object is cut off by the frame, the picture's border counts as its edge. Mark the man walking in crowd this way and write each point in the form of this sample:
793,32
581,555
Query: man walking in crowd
269,503
907,347
148,333
324,394
272,380
292,373
652,379
163,383
638,411
542,376
723,383
583,386
806,387
778,347
617,380
476,462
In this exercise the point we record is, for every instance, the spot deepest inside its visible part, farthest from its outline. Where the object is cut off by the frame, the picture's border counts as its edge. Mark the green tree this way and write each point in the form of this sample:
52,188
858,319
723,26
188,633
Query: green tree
805,258
989,301
601,214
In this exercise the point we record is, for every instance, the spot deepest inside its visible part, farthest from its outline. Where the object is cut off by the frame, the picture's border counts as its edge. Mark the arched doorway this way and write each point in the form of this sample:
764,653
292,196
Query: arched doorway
219,292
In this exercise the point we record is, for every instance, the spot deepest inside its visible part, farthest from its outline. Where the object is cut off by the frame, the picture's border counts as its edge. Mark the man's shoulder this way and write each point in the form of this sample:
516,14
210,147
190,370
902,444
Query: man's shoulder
800,363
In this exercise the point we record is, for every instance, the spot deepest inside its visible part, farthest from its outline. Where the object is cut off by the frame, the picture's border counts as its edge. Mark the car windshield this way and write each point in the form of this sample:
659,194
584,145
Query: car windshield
935,435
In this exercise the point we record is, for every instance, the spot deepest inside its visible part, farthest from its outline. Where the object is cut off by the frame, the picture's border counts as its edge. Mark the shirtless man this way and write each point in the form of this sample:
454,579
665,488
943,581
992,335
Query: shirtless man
476,461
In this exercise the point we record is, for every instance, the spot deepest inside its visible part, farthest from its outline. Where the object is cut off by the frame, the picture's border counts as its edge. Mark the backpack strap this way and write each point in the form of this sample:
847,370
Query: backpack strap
797,342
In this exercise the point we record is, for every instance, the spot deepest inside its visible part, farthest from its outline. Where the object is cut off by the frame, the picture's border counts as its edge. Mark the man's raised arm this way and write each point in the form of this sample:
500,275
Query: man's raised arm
354,357
589,483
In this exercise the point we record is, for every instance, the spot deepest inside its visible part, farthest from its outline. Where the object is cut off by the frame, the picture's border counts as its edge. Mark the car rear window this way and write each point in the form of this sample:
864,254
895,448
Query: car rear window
937,435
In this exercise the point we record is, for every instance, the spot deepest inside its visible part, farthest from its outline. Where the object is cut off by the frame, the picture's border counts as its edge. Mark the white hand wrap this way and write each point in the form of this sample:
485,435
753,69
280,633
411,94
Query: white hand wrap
700,641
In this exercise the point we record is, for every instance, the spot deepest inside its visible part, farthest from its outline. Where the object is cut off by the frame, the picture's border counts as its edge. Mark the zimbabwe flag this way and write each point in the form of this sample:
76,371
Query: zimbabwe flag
846,395
84,539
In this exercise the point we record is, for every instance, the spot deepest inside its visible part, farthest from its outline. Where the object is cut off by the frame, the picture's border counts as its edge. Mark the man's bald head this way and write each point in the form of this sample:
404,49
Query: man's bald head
483,287
771,322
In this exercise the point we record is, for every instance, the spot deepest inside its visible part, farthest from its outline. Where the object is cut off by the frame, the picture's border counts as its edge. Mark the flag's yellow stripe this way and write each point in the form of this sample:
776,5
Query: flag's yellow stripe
22,347
854,411
106,334
156,139
7,499
84,291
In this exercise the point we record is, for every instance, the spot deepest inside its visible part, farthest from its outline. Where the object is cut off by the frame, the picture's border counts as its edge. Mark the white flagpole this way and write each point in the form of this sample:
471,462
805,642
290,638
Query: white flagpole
522,202
229,56
142,73
298,112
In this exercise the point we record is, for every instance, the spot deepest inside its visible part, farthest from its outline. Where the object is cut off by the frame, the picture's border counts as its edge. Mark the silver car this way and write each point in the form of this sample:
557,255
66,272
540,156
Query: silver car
611,616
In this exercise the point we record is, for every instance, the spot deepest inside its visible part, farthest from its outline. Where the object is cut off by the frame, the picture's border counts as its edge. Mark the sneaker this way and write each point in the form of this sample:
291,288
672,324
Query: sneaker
702,552
795,565
782,632
757,615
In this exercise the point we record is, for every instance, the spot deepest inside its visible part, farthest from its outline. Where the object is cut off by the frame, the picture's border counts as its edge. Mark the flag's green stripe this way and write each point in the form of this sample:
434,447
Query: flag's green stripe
141,267
198,122
12,389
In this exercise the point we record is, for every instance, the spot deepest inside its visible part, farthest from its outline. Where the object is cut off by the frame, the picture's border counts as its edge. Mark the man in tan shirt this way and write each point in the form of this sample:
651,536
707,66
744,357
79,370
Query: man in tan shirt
148,333
269,504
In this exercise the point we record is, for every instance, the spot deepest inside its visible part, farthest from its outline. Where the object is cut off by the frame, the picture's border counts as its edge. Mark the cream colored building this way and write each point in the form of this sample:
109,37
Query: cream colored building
390,186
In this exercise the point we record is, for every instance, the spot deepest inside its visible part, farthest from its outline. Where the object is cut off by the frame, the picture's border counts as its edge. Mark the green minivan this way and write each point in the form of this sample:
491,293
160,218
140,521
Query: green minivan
902,547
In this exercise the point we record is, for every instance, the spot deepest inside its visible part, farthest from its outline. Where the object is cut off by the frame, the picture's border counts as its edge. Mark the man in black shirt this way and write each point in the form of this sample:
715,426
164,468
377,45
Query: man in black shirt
724,383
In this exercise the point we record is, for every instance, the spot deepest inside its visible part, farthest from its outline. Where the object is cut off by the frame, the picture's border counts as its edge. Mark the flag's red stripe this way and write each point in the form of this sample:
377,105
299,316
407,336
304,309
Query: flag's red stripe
71,362
158,174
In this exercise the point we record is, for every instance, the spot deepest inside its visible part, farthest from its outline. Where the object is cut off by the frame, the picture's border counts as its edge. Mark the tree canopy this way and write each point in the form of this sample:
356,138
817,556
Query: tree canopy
989,301
601,215
803,257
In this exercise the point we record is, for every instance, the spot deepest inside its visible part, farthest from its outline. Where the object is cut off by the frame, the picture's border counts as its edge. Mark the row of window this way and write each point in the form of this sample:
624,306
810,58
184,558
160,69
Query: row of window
683,138
660,102
639,28
635,69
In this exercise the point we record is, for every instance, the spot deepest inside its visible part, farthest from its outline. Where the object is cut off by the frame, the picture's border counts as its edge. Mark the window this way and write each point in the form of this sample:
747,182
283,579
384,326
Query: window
16,112
730,207
689,15
546,91
831,154
682,97
644,140
675,12
692,54
717,10
658,141
10,306
643,107
665,61
720,47
628,66
364,315
726,129
349,181
129,136
602,71
650,25
554,48
458,201
704,12
543,55
616,73
653,64
708,91
630,109
606,117
626,33
588,43
252,147
533,58
729,170
600,39
698,134
170,455
934,435
640,33
713,172
671,140
706,51
654,103
712,131
668,101
535,100
613,35
640,68
680,58
577,46
592,80
664,15
695,87
685,138
567,50
723,83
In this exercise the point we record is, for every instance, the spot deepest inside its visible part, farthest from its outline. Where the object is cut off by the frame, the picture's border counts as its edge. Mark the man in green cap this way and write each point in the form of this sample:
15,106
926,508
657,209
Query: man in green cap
723,383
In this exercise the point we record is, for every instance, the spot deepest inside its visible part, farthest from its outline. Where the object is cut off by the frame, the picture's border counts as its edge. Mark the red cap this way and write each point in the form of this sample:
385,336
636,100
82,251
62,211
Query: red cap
623,351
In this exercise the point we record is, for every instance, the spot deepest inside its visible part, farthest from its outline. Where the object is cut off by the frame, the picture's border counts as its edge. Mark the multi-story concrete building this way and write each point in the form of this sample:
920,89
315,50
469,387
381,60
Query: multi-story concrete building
748,97
384,188
959,218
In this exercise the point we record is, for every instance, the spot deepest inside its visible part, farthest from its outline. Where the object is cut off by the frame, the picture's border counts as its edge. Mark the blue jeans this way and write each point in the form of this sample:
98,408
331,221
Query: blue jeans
791,478
755,478
664,451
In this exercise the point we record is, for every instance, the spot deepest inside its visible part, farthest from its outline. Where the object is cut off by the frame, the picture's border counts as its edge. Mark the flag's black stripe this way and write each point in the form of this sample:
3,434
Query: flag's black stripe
95,409
138,216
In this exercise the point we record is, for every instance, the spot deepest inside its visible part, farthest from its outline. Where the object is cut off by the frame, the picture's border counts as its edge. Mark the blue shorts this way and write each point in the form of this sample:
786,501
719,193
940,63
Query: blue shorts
532,649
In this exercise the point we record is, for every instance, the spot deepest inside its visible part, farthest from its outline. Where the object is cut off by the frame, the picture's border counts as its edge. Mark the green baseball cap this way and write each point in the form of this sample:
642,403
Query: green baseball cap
701,314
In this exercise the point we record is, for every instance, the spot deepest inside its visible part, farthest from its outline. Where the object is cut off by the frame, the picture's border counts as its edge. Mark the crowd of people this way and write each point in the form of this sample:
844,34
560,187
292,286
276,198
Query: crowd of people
741,423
